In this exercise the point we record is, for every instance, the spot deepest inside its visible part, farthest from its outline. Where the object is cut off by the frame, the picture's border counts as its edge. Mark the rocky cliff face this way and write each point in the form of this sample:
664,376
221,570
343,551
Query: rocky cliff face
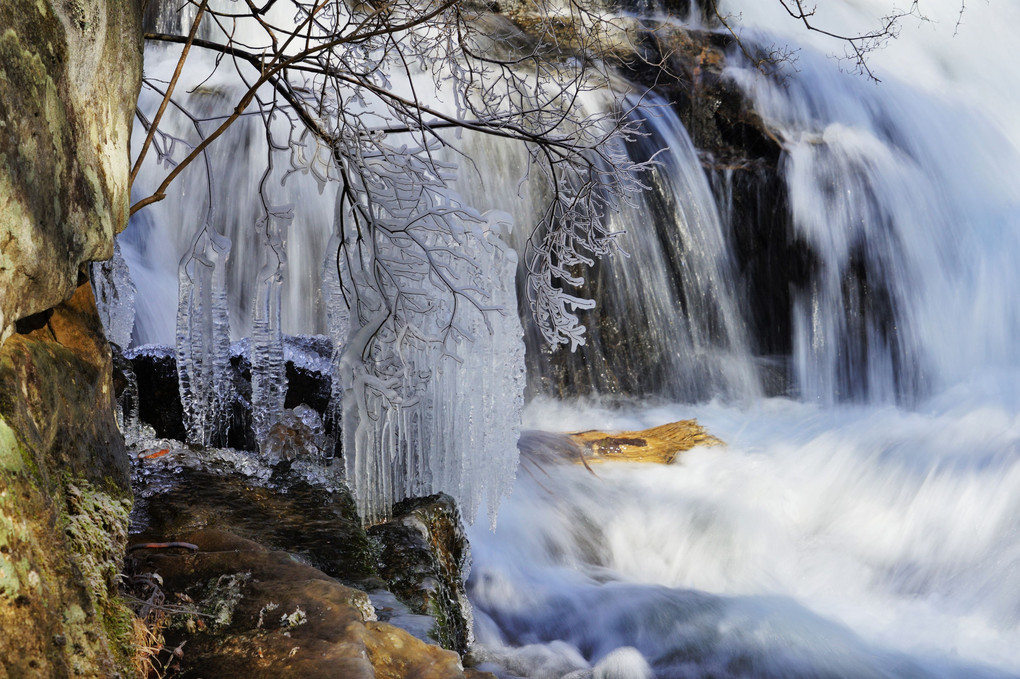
69,77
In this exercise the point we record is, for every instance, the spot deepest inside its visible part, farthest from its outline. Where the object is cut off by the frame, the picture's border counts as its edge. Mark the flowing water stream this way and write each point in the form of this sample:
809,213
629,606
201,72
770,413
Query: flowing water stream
867,525
871,526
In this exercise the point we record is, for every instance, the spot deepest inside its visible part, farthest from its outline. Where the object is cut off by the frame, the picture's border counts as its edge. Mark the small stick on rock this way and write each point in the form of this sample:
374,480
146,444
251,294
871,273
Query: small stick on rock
162,545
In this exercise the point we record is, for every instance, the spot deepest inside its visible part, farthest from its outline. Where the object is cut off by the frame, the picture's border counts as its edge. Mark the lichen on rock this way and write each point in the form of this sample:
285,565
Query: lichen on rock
98,528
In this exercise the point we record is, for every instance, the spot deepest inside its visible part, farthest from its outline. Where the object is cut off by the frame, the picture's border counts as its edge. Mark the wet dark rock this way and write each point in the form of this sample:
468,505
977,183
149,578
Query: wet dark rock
185,490
258,613
308,371
159,399
424,557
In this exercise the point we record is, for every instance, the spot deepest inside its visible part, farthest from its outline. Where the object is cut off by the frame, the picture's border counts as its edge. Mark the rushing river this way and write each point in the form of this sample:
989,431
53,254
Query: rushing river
871,527
849,542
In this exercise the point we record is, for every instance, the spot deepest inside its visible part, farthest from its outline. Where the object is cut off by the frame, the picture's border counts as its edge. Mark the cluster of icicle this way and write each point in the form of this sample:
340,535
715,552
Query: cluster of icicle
115,292
428,396
424,402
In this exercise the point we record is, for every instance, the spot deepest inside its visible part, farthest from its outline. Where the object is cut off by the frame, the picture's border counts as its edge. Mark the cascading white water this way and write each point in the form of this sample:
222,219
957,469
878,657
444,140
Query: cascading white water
663,299
848,542
907,195
873,531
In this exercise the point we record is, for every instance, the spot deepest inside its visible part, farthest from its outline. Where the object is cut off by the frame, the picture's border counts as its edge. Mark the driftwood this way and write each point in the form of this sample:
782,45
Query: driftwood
659,444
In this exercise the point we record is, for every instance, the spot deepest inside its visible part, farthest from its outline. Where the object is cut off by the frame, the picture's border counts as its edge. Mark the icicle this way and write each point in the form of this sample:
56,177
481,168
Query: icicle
338,315
203,339
127,411
268,369
115,297
431,387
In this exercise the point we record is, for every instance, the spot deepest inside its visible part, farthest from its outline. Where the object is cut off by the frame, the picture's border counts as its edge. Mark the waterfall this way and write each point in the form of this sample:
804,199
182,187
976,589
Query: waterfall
864,523
666,322
915,233
869,528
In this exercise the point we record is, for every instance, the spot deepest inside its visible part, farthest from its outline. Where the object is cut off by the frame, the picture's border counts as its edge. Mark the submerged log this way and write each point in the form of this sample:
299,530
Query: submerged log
659,444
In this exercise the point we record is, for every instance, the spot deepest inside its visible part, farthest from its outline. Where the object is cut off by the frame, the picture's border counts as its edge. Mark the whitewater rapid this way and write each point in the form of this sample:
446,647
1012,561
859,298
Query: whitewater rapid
852,542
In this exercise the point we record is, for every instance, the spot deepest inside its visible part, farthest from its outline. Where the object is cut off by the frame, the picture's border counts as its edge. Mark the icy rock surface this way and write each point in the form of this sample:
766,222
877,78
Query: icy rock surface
309,352
297,434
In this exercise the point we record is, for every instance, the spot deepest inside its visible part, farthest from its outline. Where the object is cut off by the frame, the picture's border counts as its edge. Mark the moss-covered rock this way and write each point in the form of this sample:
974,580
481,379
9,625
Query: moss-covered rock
265,614
424,557
70,71
64,501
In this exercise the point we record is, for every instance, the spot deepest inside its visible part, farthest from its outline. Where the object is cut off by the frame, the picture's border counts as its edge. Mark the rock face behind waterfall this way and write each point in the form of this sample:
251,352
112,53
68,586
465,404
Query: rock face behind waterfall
742,157
764,262
69,77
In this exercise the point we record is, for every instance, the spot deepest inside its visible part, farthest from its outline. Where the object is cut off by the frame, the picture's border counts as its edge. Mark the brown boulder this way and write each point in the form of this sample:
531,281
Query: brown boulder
263,614
69,77
64,500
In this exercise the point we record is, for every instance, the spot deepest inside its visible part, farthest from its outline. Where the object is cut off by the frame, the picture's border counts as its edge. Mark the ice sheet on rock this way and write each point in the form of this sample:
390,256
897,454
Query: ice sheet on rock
309,352
390,610
154,350
115,297
297,434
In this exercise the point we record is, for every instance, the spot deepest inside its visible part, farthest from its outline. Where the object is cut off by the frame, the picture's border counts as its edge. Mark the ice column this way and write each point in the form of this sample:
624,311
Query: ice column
338,316
115,297
115,301
268,369
203,339
430,372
